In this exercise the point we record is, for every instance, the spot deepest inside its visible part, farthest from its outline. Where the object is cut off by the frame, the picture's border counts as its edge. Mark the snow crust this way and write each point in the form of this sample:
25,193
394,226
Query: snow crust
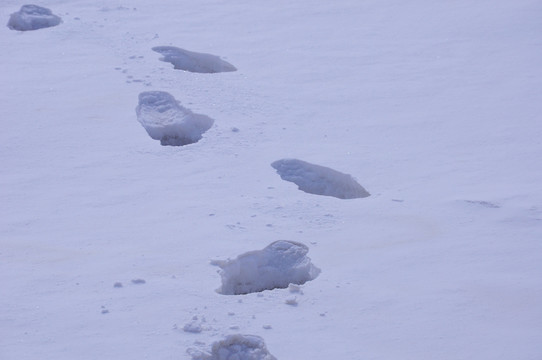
276,266
236,347
166,120
182,59
319,180
33,17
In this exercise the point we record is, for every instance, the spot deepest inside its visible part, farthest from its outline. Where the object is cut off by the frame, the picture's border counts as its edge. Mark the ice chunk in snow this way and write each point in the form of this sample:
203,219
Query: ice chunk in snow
32,17
236,347
276,266
193,61
319,180
166,120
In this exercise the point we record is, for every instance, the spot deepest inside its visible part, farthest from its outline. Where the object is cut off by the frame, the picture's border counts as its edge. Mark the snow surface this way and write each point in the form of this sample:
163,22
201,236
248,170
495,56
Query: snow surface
434,106
320,180
278,265
33,17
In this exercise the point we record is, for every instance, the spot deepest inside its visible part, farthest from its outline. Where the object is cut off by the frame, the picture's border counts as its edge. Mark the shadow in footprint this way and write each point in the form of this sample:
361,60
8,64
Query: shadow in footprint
319,180
193,61
33,17
166,120
275,267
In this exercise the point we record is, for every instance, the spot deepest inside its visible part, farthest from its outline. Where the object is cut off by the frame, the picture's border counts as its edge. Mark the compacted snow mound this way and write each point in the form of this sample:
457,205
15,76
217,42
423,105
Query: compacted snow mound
193,61
278,265
166,120
236,347
319,180
33,17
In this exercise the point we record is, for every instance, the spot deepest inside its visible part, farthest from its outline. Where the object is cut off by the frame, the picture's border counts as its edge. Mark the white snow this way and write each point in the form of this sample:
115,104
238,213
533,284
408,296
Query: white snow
237,347
166,120
433,106
192,61
278,265
33,17
320,180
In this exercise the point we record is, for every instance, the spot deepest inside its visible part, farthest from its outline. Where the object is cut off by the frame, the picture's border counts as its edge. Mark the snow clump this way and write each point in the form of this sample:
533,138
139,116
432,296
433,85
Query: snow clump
192,61
32,17
166,120
236,347
319,180
276,266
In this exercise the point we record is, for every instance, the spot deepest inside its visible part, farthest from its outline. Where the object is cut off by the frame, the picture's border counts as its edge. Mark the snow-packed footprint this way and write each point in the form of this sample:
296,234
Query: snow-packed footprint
240,347
193,61
166,120
276,266
32,17
319,180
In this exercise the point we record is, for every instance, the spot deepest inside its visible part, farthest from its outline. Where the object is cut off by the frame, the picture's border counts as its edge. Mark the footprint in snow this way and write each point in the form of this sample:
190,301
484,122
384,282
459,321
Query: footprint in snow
192,61
319,180
242,347
33,17
166,120
275,267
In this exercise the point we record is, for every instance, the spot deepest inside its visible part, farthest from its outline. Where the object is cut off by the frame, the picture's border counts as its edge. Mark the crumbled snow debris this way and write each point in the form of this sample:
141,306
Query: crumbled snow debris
192,327
117,285
276,266
234,327
267,327
138,281
291,301
319,180
235,347
192,61
32,17
166,120
294,288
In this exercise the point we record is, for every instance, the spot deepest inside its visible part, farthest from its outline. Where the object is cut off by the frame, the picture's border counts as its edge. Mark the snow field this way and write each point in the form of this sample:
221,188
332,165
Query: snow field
432,105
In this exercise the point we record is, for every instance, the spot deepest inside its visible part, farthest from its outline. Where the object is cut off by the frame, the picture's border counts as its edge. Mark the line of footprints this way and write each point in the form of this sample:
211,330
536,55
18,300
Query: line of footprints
282,264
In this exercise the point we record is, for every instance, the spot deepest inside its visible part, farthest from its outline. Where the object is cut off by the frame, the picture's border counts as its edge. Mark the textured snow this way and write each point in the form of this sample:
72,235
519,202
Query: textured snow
33,17
320,180
192,61
166,120
276,266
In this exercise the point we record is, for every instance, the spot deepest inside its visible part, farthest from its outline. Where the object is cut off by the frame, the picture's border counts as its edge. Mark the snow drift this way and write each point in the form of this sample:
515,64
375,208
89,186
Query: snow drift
166,120
192,61
236,347
32,17
276,266
319,180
